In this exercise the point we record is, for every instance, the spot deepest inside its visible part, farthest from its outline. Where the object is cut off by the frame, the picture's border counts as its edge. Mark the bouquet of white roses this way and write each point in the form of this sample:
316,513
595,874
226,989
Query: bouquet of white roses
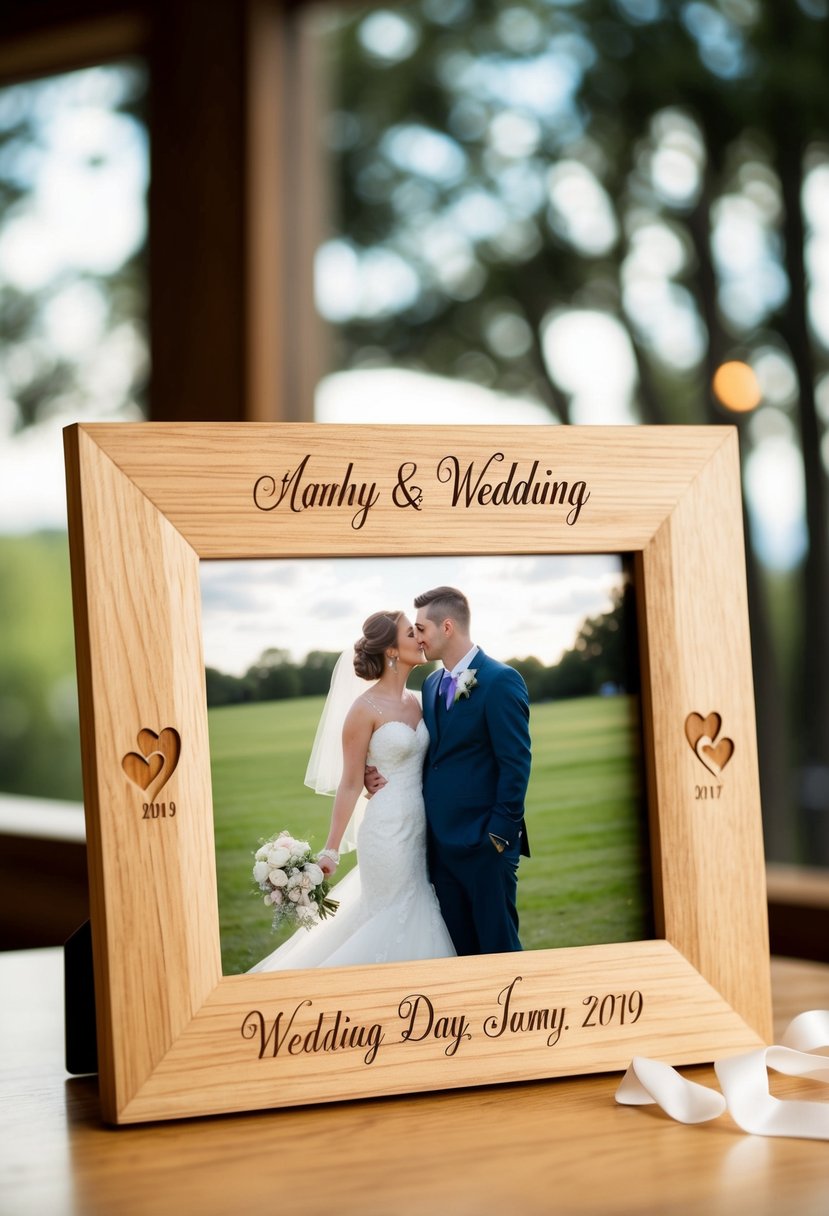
286,872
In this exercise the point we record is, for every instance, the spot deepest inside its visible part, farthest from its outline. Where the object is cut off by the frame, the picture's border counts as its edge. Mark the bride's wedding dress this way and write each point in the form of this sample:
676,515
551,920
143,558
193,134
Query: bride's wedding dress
388,909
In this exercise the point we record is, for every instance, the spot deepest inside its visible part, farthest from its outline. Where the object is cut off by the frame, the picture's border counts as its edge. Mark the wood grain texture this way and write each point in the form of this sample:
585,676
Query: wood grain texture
695,605
148,501
466,990
202,479
142,667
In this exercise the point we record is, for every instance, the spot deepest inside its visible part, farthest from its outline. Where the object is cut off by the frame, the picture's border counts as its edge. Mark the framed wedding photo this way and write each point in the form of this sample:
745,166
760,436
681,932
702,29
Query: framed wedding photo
181,534
273,631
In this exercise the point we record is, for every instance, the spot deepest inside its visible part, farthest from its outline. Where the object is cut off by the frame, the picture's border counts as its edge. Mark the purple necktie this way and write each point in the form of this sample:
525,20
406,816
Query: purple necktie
448,685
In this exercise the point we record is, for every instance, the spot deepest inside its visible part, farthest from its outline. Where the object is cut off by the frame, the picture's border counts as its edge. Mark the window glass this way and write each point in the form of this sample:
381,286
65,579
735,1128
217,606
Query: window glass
73,305
601,211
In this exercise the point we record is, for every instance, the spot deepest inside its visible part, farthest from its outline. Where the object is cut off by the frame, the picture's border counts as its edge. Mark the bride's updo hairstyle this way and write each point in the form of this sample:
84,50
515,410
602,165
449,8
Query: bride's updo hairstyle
379,632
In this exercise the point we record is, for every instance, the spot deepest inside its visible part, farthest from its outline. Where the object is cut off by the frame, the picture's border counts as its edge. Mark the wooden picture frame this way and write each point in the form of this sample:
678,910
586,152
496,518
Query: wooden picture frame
177,1038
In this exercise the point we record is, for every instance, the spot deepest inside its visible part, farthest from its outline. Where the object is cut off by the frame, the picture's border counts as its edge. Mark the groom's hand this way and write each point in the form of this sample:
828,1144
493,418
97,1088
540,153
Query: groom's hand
373,780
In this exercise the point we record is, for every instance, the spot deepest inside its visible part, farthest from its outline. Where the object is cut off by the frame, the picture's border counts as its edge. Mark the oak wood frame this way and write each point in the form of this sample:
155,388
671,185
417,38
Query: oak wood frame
147,502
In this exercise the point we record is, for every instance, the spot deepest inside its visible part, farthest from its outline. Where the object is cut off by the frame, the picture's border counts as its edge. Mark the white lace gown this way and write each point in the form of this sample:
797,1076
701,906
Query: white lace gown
388,908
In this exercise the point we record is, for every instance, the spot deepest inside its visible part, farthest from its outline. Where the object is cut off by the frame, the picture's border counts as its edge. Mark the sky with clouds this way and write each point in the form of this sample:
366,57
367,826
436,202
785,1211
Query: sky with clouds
529,605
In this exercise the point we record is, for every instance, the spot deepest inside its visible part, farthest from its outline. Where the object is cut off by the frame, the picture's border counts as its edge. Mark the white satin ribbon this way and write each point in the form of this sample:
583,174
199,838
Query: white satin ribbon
745,1084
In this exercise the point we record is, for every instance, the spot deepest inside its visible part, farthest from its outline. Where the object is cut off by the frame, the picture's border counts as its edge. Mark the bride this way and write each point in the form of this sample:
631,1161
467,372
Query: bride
388,909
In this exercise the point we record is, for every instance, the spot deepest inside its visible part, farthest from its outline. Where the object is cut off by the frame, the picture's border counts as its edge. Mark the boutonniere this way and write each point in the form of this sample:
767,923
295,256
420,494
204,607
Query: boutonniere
466,682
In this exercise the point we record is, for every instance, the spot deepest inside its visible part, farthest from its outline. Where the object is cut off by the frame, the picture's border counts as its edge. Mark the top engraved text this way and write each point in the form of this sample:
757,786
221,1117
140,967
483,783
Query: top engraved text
301,493
472,484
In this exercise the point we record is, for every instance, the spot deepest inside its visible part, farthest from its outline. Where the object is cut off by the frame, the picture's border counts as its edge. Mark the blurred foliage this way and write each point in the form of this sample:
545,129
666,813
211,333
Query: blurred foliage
500,168
656,164
513,160
603,659
72,318
276,676
71,132
39,743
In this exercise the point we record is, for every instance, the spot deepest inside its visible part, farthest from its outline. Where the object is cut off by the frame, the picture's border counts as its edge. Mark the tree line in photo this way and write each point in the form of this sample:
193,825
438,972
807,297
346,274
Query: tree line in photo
602,660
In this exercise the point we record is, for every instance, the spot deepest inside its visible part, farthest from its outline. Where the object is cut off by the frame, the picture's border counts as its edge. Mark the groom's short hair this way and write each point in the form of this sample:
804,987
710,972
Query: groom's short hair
443,602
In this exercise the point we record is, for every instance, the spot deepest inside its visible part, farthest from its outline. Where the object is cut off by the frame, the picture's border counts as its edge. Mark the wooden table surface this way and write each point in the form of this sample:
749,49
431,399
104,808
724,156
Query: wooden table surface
550,1146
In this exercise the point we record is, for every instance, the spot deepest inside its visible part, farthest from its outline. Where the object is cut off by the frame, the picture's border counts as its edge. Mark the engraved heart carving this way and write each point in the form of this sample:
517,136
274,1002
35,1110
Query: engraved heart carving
714,758
142,770
157,759
701,734
696,726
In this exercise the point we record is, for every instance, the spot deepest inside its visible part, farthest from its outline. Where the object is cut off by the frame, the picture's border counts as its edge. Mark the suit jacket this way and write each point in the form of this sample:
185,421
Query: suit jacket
477,767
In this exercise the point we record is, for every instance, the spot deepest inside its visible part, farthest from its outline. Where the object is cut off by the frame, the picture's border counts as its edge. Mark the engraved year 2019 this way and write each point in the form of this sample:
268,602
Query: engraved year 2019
159,810
624,1008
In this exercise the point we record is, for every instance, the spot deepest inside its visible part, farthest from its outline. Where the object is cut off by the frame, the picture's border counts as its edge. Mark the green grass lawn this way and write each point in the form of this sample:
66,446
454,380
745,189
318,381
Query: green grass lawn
587,880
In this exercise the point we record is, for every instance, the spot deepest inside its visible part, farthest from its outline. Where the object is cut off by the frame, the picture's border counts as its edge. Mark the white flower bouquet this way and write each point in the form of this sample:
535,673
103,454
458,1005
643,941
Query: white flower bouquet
293,885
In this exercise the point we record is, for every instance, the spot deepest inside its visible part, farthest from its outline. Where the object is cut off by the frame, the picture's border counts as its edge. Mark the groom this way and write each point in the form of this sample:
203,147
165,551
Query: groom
474,777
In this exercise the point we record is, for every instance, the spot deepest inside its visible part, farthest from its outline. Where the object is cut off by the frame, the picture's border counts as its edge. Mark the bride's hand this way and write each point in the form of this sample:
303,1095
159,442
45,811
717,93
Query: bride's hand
374,781
328,860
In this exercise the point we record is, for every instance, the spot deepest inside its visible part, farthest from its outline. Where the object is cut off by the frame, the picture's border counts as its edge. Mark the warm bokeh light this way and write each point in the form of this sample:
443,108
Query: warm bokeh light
737,387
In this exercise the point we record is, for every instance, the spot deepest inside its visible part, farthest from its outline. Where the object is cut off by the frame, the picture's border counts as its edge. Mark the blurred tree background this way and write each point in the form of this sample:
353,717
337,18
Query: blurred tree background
73,346
619,208
616,208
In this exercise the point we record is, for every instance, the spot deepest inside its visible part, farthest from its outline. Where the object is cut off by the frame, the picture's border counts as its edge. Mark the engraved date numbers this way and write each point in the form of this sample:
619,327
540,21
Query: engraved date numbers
159,810
623,1008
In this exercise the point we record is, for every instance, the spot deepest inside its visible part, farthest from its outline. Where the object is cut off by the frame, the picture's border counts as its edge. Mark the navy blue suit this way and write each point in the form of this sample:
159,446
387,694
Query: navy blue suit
475,779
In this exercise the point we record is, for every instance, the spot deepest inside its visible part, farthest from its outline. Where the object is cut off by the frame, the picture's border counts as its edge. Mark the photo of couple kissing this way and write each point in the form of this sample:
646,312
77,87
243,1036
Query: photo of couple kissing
441,832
